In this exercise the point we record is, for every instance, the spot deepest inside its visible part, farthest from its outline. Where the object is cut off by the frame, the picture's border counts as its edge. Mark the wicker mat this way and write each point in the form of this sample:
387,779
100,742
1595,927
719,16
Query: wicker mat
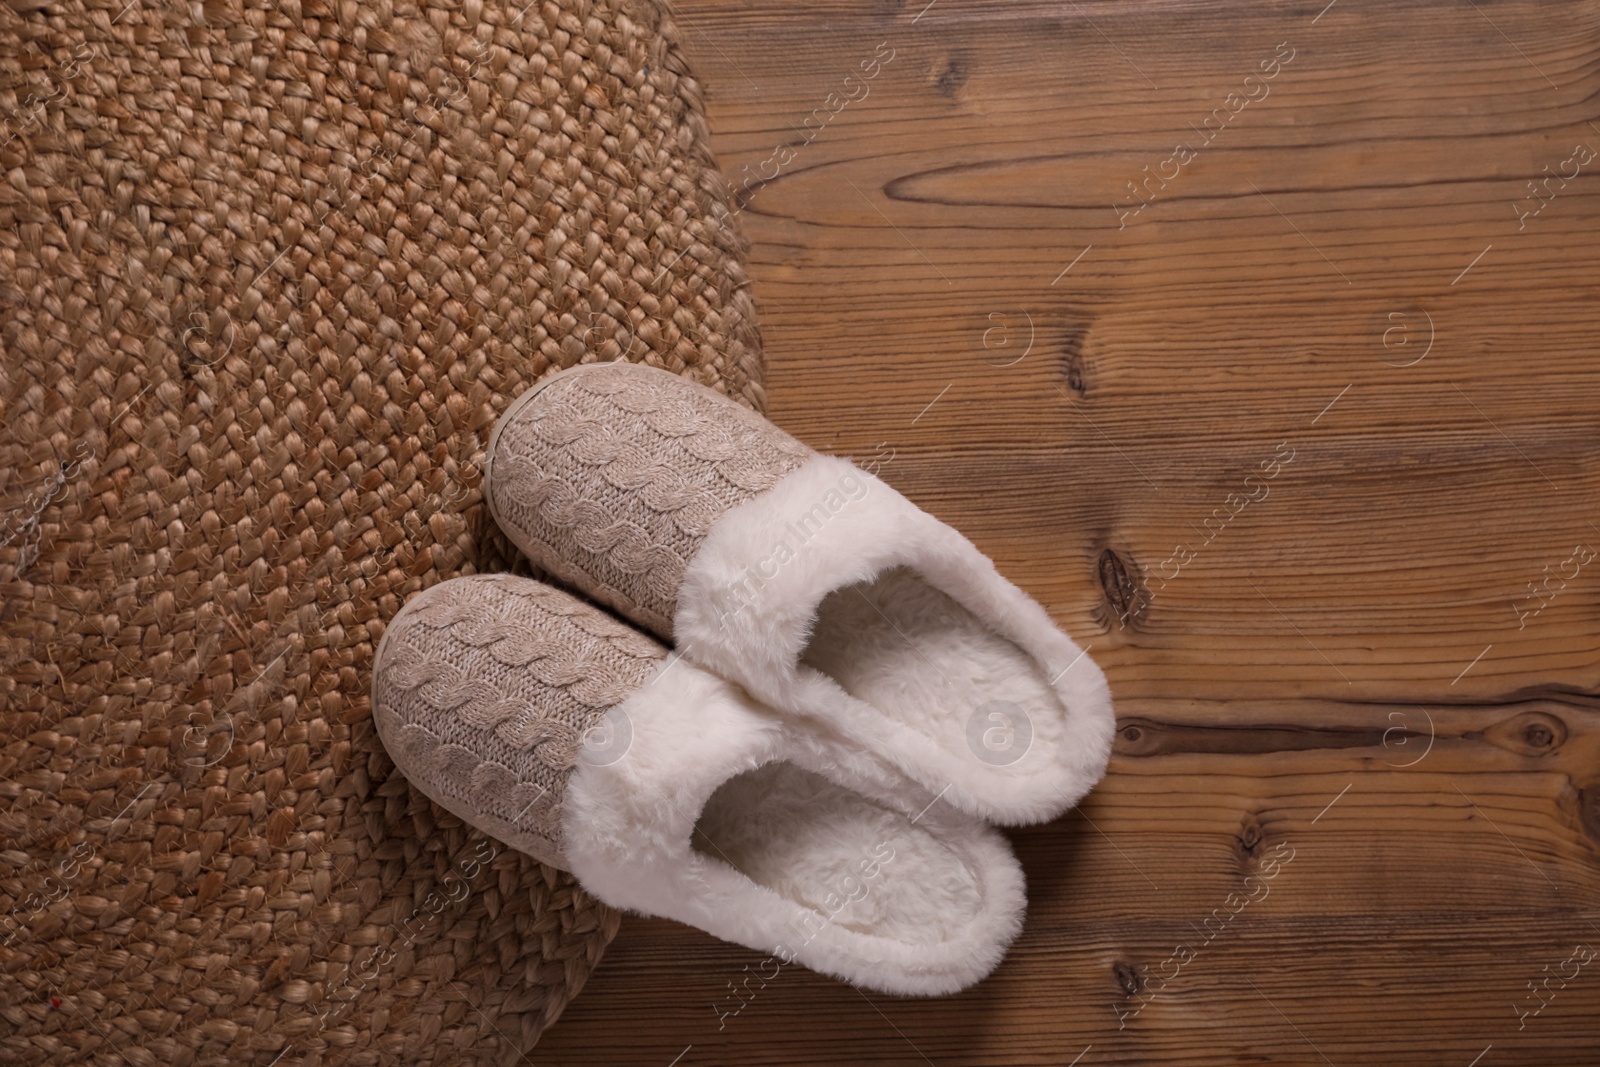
269,271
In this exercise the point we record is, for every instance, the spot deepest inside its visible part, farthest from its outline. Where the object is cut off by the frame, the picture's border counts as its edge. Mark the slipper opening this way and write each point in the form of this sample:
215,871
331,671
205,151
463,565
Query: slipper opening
847,859
790,843
919,656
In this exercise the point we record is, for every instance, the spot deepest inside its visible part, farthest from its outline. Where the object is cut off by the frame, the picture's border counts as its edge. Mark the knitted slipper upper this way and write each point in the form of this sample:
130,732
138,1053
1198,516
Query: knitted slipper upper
486,690
631,472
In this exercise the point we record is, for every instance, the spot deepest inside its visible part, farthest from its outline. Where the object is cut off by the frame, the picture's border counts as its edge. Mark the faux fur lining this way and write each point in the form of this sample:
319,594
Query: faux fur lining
789,842
754,594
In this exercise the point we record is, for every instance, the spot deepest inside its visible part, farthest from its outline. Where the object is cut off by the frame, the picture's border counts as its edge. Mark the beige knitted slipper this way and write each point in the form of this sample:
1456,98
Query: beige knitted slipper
546,723
806,580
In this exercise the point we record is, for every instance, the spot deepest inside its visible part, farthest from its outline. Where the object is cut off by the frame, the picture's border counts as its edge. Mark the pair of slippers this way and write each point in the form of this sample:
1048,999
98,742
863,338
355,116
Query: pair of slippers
854,696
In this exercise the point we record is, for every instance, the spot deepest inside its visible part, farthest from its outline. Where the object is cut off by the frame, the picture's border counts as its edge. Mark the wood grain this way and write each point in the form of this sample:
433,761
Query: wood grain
1349,667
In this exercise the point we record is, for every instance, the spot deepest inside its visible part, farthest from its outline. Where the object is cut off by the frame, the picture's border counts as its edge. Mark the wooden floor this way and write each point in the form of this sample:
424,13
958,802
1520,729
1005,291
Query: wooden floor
1353,322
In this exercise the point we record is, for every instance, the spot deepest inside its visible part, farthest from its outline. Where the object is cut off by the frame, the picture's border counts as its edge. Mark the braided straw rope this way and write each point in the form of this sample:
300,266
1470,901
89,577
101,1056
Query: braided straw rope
269,271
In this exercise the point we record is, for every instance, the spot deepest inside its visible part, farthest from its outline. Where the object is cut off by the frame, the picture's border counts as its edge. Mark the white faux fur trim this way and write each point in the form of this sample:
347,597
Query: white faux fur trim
908,896
751,597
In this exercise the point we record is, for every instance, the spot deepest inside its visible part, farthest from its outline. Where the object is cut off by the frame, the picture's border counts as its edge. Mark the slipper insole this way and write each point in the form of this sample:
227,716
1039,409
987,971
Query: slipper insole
923,659
866,867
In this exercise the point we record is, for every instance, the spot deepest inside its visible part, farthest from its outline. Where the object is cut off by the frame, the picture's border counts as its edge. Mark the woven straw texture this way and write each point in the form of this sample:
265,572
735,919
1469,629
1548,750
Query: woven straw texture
611,476
488,691
269,272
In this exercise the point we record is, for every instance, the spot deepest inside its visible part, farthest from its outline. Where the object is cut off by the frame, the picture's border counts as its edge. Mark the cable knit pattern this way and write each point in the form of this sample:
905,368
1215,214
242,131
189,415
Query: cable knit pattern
484,689
610,475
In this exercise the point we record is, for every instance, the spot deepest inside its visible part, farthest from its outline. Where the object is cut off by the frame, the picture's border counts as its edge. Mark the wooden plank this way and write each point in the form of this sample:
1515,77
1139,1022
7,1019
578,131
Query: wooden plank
1370,920
1352,666
1441,859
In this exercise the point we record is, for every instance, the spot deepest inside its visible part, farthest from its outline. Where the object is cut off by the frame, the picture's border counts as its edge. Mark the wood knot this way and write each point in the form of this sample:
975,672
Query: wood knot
1539,735
1249,833
1127,977
1074,375
1070,372
1589,810
952,78
1532,733
1124,597
1139,737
